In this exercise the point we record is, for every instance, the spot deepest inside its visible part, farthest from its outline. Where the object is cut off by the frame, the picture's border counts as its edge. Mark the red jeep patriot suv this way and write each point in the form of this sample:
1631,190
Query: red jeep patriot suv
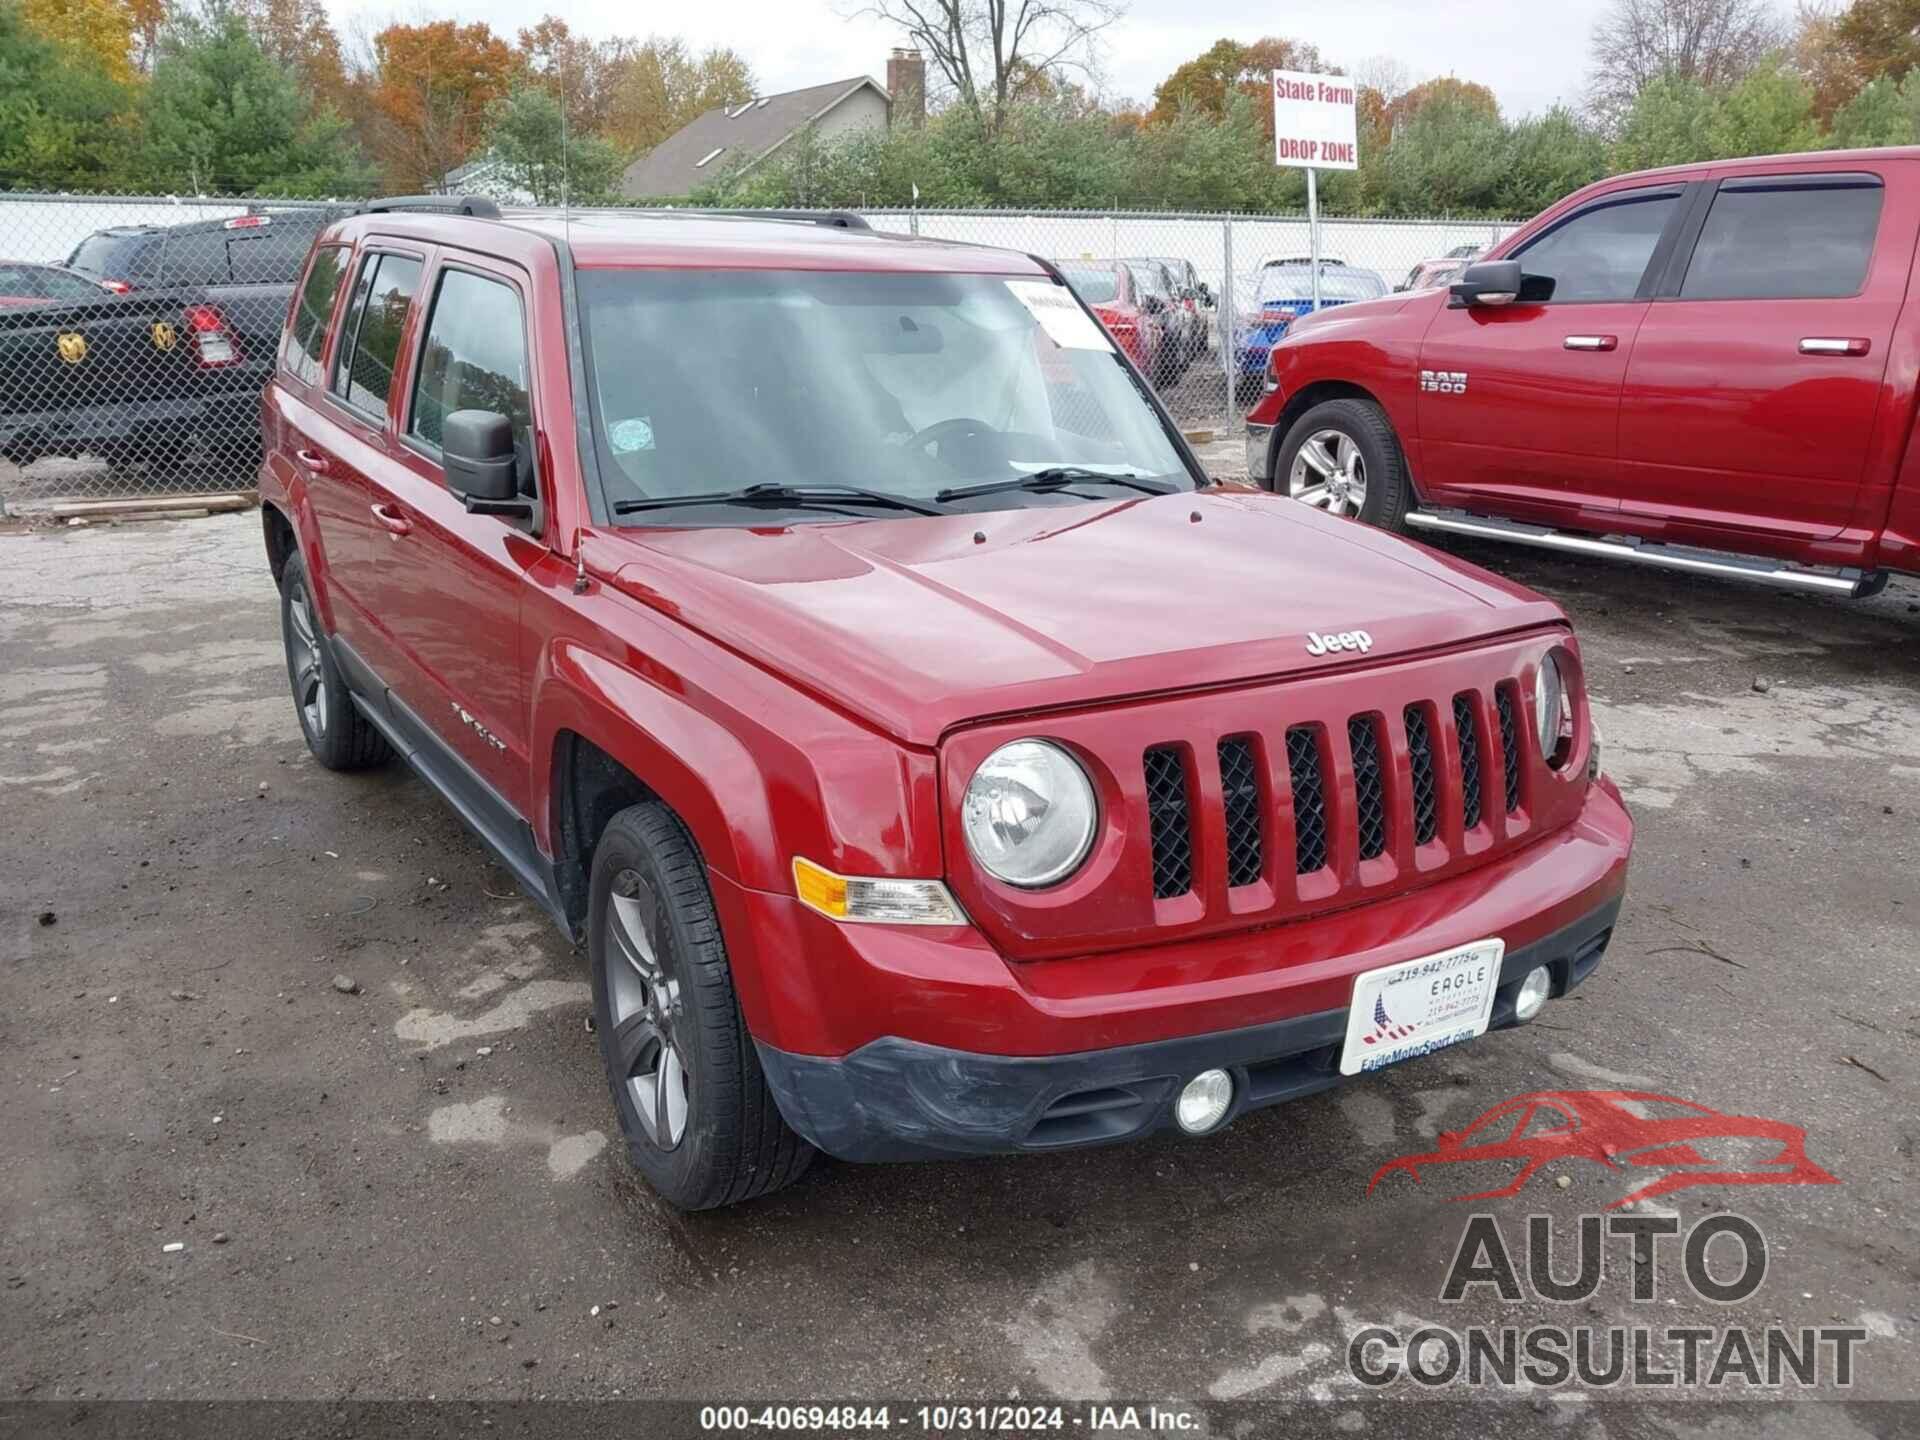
1713,368
832,631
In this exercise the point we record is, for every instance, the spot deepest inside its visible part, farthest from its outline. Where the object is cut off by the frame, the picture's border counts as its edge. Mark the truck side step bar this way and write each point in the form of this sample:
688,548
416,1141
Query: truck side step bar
1853,584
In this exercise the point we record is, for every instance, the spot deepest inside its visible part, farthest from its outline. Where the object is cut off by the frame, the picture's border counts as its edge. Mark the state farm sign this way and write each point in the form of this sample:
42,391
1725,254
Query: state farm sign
1313,121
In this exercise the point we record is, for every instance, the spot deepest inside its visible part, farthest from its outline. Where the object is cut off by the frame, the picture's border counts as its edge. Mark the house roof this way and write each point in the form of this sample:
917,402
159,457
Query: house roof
673,167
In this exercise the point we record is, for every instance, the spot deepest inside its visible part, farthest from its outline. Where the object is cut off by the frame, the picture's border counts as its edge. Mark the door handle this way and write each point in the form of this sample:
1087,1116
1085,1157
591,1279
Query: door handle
314,461
1592,342
392,521
1834,345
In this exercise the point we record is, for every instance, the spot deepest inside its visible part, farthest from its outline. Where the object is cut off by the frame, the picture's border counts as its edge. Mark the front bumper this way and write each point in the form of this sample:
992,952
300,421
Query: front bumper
896,1099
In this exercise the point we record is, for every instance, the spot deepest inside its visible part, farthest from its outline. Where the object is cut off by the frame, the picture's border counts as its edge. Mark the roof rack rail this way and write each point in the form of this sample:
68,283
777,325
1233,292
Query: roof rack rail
478,206
833,219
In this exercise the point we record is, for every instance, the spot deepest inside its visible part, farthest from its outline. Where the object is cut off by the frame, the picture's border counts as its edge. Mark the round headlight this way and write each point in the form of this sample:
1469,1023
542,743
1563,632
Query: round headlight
1029,814
1549,706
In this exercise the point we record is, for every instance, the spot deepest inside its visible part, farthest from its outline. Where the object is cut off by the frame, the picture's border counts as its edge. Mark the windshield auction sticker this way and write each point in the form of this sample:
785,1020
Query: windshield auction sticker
1070,327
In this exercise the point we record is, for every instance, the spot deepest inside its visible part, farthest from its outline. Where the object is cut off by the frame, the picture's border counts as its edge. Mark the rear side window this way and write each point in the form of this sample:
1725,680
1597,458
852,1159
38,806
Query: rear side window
307,334
1785,241
268,256
475,358
115,257
1601,254
193,257
370,337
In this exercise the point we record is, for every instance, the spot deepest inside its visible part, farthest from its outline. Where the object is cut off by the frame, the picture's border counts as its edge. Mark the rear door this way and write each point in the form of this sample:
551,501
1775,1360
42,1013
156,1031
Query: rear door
1751,396
1519,406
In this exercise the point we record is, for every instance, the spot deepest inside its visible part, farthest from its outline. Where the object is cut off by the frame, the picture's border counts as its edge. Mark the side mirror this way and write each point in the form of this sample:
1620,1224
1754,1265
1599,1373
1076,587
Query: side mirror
476,446
1205,293
1491,282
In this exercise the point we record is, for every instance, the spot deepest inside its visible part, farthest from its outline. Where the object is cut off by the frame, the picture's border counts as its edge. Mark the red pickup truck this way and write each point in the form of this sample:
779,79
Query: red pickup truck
807,618
1711,368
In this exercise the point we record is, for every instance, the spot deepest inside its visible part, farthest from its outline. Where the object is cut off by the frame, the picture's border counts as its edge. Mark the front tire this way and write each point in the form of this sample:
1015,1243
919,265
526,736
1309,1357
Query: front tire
1343,457
699,1120
340,737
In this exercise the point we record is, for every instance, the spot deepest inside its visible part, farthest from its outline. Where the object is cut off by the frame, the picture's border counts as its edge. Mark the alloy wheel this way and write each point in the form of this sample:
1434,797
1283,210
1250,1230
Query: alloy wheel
1329,473
645,1000
309,675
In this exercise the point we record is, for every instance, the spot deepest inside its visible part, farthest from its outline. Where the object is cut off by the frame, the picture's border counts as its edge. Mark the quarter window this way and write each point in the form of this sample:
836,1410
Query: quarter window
307,336
1785,241
370,339
475,359
1601,254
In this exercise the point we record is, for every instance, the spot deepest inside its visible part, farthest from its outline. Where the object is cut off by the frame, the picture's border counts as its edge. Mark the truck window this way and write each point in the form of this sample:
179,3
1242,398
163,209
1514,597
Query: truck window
370,336
1785,240
1601,253
475,359
307,335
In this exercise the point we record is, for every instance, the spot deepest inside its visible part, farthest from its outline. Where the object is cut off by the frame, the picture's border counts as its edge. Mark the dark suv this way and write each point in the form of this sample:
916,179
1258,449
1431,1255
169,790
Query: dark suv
811,620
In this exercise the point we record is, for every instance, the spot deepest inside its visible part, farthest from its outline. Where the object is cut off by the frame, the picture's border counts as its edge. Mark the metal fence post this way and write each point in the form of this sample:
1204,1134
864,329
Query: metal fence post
1225,307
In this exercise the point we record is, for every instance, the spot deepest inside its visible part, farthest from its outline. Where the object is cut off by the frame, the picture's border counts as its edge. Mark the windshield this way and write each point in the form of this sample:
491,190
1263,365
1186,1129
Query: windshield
912,385
1296,283
1096,287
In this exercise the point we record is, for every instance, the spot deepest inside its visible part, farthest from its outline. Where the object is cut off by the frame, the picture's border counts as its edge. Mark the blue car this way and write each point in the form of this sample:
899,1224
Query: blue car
1284,293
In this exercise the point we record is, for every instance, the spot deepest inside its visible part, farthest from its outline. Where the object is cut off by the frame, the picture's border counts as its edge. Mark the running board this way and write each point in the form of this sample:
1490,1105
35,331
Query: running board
1854,584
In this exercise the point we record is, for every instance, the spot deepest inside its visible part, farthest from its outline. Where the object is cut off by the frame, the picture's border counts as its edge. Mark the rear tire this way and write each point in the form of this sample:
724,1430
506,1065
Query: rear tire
699,1120
340,737
1343,457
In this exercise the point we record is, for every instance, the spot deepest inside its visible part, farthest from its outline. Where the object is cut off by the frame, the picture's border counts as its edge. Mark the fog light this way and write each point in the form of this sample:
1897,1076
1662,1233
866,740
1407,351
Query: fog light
1203,1102
1533,993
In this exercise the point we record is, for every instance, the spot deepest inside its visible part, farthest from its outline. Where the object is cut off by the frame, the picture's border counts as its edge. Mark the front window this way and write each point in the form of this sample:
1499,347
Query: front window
915,386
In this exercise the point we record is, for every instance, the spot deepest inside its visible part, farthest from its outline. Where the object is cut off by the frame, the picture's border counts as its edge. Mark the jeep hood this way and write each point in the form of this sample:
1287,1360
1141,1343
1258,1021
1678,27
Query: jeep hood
921,624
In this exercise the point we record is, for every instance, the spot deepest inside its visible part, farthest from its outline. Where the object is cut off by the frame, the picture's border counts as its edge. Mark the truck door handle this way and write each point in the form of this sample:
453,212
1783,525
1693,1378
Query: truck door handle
1834,345
314,461
1592,342
392,521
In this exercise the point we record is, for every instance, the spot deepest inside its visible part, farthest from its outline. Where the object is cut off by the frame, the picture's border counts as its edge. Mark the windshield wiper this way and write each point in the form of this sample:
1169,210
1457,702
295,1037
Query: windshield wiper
1054,477
788,497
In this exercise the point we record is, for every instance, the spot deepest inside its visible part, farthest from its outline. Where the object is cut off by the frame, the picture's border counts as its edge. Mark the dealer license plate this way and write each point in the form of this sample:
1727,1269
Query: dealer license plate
1419,1006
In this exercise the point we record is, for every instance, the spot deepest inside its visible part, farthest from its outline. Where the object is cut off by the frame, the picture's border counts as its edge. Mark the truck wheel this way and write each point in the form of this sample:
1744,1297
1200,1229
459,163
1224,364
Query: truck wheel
340,737
699,1120
1343,457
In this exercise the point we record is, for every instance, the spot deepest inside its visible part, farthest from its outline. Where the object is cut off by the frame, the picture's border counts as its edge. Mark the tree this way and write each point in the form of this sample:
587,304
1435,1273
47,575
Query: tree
1666,125
1449,157
221,115
577,71
1821,59
434,86
60,112
296,35
1203,85
1880,37
1882,113
658,87
1770,112
985,50
540,156
100,29
1464,93
1548,156
1711,42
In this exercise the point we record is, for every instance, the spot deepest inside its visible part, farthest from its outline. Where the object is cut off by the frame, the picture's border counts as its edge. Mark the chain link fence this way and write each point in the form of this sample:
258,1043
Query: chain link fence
137,332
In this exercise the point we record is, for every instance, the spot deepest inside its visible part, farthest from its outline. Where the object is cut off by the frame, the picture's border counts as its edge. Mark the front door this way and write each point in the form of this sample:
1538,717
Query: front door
1752,392
449,584
1519,405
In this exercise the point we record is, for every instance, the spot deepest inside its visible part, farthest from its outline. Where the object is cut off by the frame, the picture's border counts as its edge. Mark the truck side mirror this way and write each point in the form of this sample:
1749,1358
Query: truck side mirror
1490,282
1205,293
476,447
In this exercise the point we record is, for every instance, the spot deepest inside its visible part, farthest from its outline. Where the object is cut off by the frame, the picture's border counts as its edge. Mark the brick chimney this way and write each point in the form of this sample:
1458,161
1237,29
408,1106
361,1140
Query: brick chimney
907,84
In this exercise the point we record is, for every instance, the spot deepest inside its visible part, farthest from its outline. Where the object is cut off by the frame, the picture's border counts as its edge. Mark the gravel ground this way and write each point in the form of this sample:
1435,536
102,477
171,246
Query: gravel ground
298,1025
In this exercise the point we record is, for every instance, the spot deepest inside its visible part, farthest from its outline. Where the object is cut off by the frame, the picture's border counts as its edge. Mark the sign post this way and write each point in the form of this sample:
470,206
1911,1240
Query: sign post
1314,128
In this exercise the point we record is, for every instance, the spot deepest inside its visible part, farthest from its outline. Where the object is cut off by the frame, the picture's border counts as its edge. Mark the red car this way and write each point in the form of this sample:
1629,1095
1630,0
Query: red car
24,282
1138,315
1622,1128
1713,368
839,686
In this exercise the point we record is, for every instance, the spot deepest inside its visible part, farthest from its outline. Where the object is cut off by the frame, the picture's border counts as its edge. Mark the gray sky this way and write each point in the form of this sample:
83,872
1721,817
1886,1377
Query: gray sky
1530,52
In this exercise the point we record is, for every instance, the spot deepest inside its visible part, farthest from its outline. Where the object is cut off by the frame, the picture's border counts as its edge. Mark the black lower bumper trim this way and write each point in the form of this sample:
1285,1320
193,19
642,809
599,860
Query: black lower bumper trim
895,1099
